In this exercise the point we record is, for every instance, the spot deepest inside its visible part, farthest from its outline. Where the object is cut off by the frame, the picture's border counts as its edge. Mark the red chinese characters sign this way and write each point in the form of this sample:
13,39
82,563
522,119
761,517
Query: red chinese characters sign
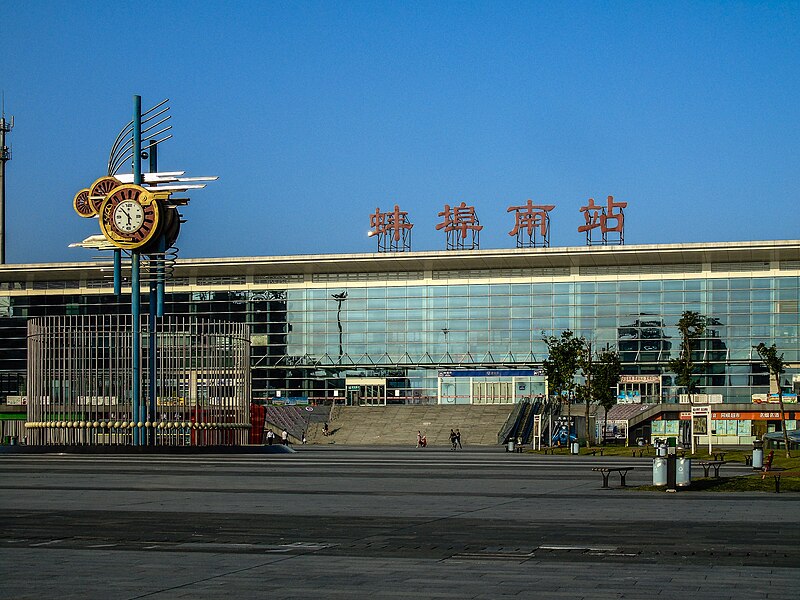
604,218
531,224
458,222
392,228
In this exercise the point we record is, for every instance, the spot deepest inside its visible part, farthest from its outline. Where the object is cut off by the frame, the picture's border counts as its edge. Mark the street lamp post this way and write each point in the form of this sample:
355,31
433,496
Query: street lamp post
340,298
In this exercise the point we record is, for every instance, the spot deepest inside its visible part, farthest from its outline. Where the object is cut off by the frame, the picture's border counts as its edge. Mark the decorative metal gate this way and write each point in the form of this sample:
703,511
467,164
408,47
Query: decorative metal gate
195,382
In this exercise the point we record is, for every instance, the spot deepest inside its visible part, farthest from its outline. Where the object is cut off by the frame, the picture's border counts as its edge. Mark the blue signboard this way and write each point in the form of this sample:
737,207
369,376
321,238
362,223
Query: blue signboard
493,373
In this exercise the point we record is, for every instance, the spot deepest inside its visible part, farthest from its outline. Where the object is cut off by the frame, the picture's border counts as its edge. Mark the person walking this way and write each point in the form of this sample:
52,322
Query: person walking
270,437
452,440
285,438
458,439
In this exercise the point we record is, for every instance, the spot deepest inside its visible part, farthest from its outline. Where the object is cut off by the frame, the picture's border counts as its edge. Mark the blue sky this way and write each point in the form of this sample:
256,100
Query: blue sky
315,113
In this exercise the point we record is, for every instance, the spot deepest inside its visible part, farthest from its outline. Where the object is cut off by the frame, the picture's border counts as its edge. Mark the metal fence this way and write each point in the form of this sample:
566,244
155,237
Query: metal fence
194,390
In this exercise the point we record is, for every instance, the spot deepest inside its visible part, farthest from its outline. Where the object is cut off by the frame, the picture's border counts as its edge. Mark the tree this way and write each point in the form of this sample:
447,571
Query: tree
691,326
607,370
602,372
776,366
561,364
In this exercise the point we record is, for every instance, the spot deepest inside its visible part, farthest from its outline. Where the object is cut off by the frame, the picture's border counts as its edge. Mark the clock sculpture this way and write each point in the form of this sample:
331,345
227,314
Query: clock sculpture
139,217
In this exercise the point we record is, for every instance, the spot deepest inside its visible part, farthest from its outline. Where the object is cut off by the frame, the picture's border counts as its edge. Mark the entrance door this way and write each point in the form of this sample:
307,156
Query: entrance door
366,395
492,392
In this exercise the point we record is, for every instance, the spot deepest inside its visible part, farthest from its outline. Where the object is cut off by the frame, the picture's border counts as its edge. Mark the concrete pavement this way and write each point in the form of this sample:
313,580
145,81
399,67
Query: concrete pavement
329,522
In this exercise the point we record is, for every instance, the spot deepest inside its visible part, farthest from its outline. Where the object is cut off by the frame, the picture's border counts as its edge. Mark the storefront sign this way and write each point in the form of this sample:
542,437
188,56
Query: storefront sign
493,373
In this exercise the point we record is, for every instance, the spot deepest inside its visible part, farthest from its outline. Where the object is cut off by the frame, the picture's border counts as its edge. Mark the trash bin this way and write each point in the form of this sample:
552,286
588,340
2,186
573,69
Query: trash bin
575,448
12,441
758,455
683,472
659,471
510,447
661,448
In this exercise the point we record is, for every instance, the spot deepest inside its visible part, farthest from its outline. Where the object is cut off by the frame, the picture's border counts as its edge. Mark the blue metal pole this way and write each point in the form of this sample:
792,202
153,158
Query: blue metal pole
152,369
137,339
135,280
162,248
117,272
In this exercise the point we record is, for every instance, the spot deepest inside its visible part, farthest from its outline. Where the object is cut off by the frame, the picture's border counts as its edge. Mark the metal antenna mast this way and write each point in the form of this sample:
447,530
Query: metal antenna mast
5,156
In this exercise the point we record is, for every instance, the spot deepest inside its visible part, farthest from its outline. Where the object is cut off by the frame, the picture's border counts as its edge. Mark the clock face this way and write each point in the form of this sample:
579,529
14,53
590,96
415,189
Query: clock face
128,216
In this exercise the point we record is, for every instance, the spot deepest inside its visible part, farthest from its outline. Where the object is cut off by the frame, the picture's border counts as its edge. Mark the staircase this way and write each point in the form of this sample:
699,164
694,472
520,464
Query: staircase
398,425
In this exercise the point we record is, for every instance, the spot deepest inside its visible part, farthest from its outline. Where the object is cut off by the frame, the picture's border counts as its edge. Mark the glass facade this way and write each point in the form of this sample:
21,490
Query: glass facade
314,335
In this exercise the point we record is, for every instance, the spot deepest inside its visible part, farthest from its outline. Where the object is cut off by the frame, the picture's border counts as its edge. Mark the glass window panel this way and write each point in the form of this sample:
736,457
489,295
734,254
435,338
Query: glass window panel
458,313
396,303
606,310
563,288
787,283
437,302
562,324
479,301
542,311
718,284
628,286
521,324
499,313
562,299
761,319
740,283
588,288
520,300
545,289
651,286
761,294
458,325
693,285
521,289
481,314
479,290
538,325
562,311
458,301
673,285
523,312
501,301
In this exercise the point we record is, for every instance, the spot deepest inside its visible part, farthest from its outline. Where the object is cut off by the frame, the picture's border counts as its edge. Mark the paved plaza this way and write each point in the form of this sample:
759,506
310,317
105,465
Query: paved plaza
328,522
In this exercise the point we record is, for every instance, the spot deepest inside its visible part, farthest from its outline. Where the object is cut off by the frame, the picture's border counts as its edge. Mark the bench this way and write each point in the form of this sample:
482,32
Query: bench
606,471
777,476
640,450
594,451
718,454
712,463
